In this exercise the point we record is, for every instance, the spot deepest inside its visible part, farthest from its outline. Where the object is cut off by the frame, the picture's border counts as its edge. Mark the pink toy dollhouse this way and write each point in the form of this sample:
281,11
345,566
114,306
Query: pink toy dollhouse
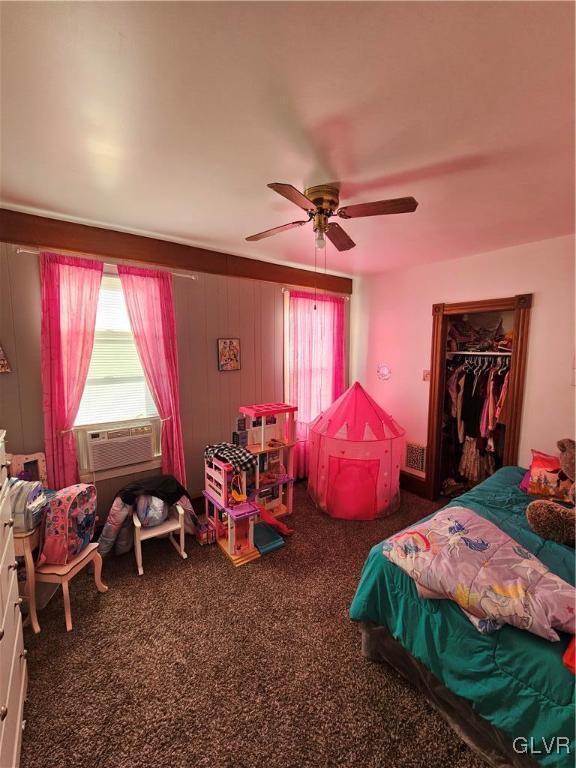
232,523
233,499
271,433
355,455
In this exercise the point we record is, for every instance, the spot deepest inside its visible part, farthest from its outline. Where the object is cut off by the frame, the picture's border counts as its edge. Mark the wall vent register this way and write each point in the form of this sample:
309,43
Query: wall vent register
416,457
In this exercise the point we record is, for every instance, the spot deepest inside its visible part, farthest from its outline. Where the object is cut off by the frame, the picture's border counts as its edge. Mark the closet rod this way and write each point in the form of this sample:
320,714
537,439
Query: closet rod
476,354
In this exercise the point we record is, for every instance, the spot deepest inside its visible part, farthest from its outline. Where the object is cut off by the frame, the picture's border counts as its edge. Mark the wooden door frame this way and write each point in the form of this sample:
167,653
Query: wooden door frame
521,306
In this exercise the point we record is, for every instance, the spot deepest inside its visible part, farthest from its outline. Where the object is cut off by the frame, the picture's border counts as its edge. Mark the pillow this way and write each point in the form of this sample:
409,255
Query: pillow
525,482
151,511
547,479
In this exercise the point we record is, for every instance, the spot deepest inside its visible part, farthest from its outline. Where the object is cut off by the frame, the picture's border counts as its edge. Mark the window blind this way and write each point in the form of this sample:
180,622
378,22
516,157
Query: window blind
116,388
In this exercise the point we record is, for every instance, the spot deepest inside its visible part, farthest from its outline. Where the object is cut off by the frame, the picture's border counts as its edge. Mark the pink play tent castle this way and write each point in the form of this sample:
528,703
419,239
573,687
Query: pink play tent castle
355,454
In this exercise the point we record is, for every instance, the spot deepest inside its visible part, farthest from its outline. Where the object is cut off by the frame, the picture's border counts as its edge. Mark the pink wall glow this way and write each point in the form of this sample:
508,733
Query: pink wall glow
392,323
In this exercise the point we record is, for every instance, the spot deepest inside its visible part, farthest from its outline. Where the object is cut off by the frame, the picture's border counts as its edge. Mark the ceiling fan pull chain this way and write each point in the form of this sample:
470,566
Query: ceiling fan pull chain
315,273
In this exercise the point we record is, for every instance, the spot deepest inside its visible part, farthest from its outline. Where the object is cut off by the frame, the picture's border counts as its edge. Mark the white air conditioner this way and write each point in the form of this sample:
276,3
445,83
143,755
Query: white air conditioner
117,446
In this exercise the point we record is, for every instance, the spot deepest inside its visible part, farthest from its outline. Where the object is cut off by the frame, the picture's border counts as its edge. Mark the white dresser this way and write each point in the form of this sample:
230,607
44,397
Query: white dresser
13,673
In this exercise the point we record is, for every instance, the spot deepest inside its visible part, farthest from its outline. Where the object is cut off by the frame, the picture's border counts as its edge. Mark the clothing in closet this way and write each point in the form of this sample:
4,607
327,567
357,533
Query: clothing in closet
475,414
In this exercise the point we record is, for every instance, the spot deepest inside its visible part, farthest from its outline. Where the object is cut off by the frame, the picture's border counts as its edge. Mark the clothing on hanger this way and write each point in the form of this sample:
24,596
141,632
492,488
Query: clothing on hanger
475,464
501,410
474,416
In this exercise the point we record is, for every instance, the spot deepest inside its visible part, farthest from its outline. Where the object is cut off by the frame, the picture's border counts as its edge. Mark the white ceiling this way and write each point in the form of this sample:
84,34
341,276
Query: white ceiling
171,118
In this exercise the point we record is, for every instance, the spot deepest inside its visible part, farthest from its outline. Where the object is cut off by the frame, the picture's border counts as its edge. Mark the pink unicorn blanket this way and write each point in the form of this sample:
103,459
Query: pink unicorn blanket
459,555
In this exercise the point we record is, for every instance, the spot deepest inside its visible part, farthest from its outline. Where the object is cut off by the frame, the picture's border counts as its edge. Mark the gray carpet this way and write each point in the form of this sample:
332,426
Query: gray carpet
198,663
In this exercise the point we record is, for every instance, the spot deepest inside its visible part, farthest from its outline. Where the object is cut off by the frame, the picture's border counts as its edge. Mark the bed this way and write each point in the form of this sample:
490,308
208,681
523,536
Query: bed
503,692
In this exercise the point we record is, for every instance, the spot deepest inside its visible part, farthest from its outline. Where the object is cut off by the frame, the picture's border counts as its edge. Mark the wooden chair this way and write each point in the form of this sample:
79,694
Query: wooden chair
175,522
62,574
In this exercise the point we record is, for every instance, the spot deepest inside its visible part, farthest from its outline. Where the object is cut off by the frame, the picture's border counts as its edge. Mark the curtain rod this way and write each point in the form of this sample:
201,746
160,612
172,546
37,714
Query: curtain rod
36,252
320,293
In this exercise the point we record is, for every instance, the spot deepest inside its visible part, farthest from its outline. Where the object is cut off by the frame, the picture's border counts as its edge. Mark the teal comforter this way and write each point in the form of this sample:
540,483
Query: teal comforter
513,679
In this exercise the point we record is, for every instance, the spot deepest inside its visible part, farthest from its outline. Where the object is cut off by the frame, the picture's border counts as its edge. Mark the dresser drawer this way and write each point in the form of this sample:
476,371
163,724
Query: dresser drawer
11,736
11,726
6,527
8,630
7,560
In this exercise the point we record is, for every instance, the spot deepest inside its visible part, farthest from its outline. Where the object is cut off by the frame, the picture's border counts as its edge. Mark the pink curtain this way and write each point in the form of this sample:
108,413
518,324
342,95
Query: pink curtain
151,311
316,362
70,289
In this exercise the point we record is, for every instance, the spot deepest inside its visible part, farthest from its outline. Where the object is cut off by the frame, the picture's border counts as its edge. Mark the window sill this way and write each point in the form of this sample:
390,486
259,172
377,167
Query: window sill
87,476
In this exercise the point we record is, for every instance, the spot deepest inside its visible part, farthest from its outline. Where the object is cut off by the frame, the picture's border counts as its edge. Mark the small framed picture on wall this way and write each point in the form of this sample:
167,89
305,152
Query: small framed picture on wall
228,354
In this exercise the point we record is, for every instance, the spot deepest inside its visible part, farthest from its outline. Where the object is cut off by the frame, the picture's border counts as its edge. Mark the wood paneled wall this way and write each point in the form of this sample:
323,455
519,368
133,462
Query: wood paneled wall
207,308
21,390
213,307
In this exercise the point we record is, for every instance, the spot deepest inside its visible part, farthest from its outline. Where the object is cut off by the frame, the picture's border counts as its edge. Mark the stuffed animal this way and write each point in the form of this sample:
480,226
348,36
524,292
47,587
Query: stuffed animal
551,520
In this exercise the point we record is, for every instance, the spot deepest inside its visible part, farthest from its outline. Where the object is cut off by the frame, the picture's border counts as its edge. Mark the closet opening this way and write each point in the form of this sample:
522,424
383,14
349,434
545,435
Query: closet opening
477,382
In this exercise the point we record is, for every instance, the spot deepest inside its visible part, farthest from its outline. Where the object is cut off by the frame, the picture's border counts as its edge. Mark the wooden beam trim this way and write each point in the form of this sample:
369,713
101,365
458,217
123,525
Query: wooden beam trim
488,305
435,400
517,378
39,231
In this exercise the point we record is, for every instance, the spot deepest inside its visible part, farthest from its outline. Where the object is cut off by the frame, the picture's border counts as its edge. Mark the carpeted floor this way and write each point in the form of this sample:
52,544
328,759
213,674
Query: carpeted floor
200,664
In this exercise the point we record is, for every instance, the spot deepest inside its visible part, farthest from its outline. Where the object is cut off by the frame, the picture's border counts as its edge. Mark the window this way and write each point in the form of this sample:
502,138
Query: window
314,361
116,388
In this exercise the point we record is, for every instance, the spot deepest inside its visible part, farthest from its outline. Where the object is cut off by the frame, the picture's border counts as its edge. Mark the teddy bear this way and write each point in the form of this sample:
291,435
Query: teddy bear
548,518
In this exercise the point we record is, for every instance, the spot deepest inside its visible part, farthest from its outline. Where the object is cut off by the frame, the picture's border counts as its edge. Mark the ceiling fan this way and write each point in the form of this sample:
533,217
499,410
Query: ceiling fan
321,203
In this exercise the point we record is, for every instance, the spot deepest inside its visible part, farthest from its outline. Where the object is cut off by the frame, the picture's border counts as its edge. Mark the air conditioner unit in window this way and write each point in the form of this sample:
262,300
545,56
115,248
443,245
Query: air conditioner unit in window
108,448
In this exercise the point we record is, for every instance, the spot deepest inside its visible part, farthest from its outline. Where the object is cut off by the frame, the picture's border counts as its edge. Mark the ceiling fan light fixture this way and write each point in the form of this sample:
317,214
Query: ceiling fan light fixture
321,203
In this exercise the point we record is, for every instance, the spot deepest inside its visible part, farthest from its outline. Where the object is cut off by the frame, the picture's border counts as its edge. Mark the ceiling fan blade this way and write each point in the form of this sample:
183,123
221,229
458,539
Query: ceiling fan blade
338,237
380,208
276,230
292,194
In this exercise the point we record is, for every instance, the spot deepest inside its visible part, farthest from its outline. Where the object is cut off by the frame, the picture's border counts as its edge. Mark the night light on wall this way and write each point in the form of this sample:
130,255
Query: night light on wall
383,371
